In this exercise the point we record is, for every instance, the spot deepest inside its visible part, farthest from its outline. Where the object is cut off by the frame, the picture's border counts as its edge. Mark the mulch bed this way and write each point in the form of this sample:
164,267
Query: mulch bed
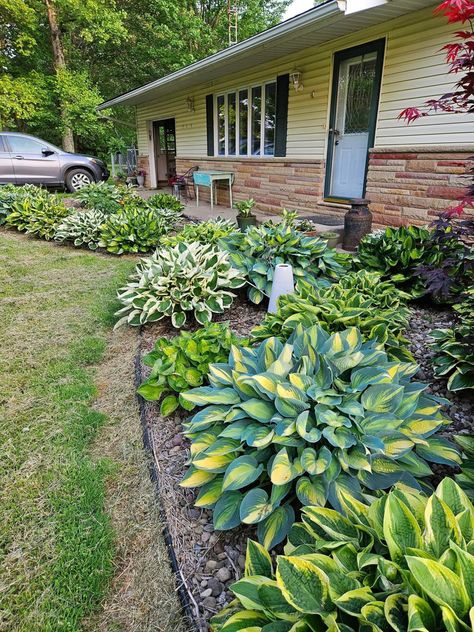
209,561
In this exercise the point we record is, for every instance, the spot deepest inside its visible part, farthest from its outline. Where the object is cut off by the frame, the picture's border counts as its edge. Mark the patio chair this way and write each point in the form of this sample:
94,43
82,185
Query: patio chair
183,183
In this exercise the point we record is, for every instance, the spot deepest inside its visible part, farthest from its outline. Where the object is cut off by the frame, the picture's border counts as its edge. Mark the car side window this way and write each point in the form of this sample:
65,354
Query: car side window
3,149
22,145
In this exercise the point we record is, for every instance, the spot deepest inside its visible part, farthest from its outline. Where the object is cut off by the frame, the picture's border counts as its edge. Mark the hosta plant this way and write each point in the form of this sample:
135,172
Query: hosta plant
466,478
132,230
182,362
353,302
82,228
208,232
166,202
103,197
454,347
9,193
37,212
405,563
310,418
184,279
396,254
257,251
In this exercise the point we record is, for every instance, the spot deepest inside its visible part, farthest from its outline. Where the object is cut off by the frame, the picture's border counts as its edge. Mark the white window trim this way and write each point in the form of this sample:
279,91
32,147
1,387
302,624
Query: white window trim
237,92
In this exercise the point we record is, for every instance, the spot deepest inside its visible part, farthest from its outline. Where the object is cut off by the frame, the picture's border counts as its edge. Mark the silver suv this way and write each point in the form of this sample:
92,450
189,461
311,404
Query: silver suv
25,159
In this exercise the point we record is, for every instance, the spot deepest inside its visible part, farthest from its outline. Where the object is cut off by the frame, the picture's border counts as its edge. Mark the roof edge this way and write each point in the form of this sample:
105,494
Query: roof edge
331,7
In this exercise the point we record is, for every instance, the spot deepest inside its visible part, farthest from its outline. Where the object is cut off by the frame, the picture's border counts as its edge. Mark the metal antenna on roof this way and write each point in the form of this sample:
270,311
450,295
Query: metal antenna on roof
232,20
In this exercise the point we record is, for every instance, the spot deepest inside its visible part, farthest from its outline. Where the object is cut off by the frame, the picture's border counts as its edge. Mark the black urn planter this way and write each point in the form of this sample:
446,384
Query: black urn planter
357,223
244,221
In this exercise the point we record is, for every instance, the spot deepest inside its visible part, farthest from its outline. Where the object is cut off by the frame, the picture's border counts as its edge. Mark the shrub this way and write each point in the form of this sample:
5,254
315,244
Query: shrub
454,347
132,230
83,228
256,252
315,416
359,300
403,564
183,362
165,201
180,279
466,478
36,212
103,197
208,232
9,193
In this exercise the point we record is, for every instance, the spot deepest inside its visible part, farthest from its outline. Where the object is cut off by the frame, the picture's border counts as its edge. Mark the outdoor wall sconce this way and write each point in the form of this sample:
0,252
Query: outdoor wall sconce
296,79
190,104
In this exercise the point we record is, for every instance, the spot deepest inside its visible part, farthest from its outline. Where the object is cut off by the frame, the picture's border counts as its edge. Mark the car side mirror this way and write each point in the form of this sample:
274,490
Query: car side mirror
47,152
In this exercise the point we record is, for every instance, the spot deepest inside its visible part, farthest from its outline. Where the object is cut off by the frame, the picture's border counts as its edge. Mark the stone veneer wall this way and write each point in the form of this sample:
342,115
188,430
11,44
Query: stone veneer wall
413,185
274,184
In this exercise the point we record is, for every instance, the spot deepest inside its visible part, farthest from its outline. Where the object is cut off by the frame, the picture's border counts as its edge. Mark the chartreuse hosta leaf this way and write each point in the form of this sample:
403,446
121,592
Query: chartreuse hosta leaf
318,414
362,572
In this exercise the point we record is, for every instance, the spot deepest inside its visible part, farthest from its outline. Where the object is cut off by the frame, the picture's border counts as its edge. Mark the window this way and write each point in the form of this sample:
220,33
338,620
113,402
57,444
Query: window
245,121
2,147
24,145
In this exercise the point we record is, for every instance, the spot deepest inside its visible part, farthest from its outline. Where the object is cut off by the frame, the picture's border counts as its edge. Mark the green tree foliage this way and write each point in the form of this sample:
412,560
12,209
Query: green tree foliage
53,79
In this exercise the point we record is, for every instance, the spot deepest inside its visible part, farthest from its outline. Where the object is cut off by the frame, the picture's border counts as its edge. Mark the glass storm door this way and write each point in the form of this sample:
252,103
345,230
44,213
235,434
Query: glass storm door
357,75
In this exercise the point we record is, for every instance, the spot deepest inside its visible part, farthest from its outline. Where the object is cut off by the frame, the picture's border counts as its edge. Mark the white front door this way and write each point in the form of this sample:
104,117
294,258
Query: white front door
352,123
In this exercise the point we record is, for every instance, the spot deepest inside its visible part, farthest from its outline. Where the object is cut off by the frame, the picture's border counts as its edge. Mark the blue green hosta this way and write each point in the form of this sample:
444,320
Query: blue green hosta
83,228
189,278
353,302
256,252
406,563
312,417
454,347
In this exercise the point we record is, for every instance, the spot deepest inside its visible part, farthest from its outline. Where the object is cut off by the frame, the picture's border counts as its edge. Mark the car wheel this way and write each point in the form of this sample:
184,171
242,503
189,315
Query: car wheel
77,179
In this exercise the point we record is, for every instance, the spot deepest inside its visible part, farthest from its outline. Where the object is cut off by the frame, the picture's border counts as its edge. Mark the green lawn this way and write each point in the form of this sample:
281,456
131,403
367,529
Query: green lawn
57,543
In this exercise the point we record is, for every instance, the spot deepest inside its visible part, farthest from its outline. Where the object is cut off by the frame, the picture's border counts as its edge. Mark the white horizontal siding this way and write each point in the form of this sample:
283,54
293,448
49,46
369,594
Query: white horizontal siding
414,71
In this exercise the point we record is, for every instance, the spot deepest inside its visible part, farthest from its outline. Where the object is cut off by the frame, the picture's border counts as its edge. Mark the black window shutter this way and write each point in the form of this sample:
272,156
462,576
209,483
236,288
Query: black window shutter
283,83
210,124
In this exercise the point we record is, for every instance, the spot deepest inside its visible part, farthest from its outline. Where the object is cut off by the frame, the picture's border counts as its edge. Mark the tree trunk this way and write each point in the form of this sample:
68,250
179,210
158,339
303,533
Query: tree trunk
59,63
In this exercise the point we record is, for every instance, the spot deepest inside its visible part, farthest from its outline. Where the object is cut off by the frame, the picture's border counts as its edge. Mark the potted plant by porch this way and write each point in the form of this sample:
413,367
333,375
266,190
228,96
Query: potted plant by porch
141,174
132,178
331,237
245,217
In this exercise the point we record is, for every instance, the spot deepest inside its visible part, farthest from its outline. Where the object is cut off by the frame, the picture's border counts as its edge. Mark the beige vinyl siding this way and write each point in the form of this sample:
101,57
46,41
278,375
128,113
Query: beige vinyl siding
414,70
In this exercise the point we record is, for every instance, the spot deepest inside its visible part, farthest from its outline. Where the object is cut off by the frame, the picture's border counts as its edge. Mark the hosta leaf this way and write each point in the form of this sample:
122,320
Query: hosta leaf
196,478
396,612
466,565
382,398
311,492
226,512
306,428
209,493
247,590
255,506
282,470
258,409
222,446
276,526
401,529
421,617
215,464
354,600
248,620
456,499
204,395
441,584
439,450
335,525
367,376
273,601
241,472
303,585
169,405
441,526
258,560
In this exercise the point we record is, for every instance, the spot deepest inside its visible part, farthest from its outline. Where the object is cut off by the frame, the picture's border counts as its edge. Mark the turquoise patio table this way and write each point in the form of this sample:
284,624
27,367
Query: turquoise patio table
208,179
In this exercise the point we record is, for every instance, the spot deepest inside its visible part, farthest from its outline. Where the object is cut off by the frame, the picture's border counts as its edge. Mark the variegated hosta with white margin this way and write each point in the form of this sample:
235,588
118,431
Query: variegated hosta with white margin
83,228
312,417
405,563
186,278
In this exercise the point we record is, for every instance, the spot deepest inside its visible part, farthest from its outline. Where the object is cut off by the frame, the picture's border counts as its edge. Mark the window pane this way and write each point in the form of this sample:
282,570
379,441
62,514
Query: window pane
256,119
23,145
270,119
360,86
220,126
231,123
243,122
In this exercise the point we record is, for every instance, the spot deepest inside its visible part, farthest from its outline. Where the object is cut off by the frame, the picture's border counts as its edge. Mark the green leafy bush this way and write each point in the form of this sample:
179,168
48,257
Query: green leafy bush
257,251
359,300
404,564
454,347
103,197
396,253
36,212
165,201
466,478
83,228
315,416
183,362
9,193
132,230
177,280
208,232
